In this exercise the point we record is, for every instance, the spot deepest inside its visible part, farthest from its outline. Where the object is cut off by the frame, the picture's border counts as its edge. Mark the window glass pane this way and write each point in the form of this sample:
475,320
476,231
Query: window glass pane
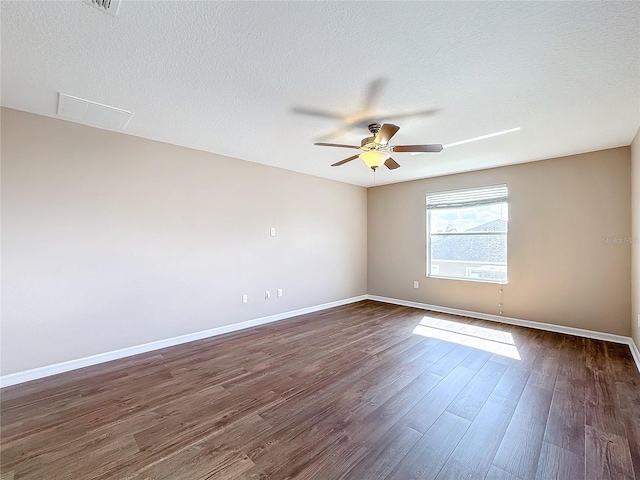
469,242
470,248
481,218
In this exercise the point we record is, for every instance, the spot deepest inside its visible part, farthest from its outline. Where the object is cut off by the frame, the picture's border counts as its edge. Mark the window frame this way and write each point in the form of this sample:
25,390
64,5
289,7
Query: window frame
462,204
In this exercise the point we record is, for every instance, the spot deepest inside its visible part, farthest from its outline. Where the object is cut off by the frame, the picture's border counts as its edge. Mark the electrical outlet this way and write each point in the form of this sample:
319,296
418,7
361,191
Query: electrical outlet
272,231
267,294
416,284
279,292
245,298
639,320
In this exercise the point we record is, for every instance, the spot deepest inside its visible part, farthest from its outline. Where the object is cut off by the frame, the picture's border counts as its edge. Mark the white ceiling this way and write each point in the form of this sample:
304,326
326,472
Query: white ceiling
227,77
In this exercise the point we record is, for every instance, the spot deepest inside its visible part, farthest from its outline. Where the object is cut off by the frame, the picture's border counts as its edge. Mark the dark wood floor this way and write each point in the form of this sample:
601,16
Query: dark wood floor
350,392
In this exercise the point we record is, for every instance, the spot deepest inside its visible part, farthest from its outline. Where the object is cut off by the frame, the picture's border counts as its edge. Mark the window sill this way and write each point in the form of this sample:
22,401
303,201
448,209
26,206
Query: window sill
475,280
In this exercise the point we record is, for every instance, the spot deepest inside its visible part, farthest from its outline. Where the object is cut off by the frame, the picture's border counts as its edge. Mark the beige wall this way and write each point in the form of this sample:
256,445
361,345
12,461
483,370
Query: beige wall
561,270
111,241
635,212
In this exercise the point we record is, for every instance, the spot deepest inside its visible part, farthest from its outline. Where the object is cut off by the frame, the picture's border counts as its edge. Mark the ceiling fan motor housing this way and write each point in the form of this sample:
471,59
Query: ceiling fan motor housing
369,143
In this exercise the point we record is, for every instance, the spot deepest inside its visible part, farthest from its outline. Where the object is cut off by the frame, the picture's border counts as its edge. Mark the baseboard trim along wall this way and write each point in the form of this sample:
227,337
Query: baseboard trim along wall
579,332
46,371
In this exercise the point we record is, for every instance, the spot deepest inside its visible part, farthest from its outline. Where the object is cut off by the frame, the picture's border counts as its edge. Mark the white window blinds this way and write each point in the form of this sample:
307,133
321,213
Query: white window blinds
468,197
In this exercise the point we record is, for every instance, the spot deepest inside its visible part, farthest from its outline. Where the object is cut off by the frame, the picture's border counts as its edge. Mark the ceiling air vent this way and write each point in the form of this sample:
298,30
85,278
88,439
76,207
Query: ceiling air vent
108,6
92,113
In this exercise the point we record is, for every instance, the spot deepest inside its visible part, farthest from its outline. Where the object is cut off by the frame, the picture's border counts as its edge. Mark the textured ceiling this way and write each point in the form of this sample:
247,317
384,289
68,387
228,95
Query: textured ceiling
232,77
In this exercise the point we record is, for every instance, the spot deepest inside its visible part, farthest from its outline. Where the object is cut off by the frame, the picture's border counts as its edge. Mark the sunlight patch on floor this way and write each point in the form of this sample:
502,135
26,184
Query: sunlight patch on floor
487,339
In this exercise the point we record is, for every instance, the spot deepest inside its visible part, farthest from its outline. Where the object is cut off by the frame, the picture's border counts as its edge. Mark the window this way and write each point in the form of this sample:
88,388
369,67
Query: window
467,234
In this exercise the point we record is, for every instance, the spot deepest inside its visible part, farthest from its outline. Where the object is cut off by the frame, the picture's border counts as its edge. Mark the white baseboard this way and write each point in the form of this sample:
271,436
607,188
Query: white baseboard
46,371
579,332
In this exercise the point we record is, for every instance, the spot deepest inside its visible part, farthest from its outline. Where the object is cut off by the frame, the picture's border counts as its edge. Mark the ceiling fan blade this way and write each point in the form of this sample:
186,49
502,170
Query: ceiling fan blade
323,144
391,164
417,113
335,133
315,112
385,133
342,162
373,93
435,148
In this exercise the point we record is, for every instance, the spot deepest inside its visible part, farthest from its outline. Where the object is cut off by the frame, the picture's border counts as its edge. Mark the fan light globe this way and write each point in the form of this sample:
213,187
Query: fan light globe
374,158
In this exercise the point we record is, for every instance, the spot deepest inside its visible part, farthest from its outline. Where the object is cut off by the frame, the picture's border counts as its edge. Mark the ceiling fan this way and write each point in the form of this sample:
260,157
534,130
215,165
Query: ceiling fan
376,149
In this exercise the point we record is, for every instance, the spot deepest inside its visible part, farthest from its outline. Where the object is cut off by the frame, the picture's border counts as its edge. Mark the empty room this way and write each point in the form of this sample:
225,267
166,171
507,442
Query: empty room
320,240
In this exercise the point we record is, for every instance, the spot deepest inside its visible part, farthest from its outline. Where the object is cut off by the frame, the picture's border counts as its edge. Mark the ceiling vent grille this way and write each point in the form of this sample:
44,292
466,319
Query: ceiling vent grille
108,6
92,113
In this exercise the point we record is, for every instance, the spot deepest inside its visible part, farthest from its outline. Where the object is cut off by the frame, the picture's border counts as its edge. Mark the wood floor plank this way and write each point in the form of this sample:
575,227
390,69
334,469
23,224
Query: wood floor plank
314,429
470,400
520,448
468,460
476,360
565,425
42,419
205,459
446,364
307,403
513,381
96,451
199,419
544,370
607,456
556,463
303,439
198,462
531,344
347,392
572,372
232,436
629,395
300,449
602,407
627,385
372,426
431,406
496,473
384,454
429,454
335,461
